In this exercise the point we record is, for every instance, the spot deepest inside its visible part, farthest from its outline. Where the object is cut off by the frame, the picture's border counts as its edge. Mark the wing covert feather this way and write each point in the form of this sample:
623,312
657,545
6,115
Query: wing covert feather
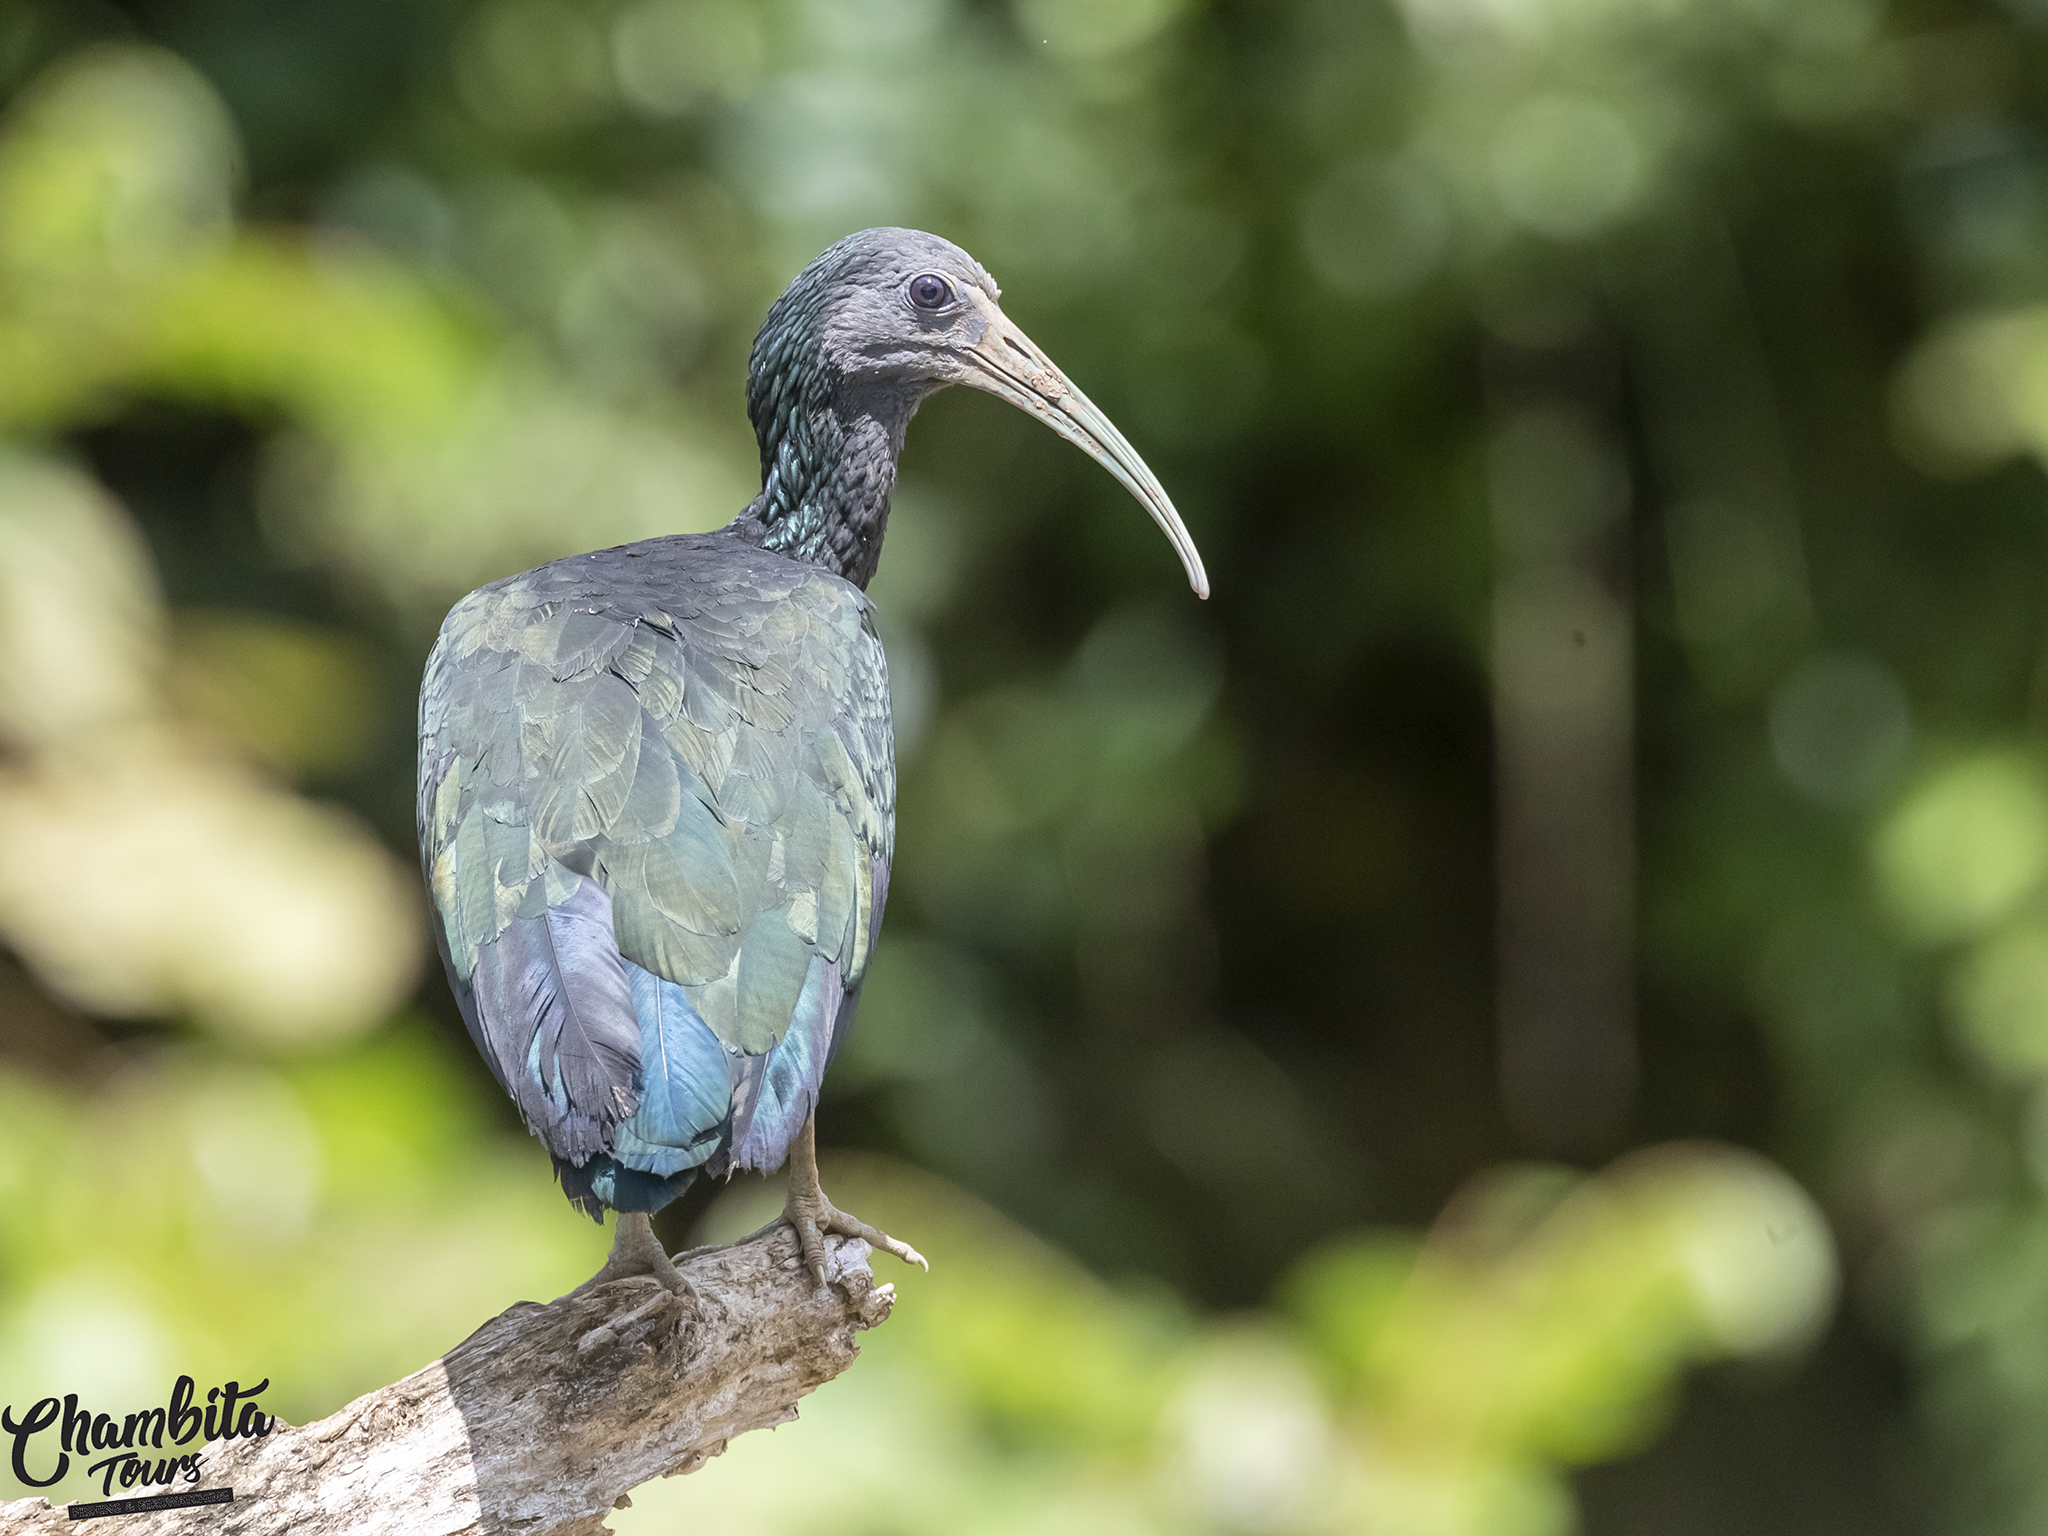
701,727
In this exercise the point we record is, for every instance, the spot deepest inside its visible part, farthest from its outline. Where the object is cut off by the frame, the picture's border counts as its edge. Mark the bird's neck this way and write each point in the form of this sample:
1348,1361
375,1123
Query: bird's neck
828,463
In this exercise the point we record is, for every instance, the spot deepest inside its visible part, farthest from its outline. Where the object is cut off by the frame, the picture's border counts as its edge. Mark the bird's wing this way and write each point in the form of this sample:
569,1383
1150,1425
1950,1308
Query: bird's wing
704,736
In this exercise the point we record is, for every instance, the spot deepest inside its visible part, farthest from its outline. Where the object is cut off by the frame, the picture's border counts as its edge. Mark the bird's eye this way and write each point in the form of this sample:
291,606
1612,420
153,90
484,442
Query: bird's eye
930,291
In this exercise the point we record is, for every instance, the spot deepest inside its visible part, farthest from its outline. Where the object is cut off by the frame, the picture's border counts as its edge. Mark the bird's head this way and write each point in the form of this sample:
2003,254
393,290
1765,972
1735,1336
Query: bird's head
903,313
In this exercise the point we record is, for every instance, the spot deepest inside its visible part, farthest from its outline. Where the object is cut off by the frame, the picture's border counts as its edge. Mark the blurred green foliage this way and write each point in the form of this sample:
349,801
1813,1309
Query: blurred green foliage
1708,334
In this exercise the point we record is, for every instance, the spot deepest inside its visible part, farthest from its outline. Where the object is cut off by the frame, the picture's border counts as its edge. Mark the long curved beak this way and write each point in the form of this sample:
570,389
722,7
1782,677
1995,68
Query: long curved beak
1007,364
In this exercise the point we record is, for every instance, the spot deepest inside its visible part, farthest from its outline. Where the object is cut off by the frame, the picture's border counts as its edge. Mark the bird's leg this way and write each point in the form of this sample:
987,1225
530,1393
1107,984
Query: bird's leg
813,1215
636,1251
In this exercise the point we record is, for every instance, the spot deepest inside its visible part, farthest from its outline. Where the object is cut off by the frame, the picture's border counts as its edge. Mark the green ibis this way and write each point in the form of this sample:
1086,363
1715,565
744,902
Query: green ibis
657,787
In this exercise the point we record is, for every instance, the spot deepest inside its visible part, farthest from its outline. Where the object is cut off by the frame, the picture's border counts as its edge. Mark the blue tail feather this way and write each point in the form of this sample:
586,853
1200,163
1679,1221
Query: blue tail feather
774,1093
686,1082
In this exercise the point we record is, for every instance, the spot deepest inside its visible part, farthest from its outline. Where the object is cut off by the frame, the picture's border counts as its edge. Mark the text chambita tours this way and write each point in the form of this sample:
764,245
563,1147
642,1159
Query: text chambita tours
229,1413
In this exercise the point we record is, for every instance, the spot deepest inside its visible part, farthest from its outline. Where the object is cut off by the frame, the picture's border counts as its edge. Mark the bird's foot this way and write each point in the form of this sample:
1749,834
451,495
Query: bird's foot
636,1252
813,1216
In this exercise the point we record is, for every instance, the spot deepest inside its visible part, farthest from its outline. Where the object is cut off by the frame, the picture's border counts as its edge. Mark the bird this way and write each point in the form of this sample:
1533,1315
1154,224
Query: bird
657,787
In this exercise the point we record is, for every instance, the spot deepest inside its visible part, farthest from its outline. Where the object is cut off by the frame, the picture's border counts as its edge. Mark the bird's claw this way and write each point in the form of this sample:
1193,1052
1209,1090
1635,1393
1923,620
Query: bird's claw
813,1216
814,1219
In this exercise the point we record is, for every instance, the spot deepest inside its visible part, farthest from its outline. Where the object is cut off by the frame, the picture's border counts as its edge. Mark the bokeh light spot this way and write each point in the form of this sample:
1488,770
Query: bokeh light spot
1998,999
675,55
1840,727
1565,165
1964,847
1094,29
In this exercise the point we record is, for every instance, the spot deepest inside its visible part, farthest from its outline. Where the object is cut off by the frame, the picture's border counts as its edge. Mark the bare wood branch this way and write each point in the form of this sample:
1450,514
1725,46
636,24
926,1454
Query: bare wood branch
519,1432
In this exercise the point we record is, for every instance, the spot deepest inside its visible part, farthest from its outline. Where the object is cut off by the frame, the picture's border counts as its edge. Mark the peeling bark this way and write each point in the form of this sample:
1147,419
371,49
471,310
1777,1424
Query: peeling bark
538,1423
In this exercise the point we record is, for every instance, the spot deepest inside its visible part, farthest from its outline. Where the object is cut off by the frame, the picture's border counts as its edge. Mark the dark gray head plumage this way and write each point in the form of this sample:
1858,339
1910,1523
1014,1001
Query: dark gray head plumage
849,317
854,345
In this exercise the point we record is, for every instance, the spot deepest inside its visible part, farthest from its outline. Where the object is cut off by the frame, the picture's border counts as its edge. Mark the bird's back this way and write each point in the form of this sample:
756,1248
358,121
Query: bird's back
656,811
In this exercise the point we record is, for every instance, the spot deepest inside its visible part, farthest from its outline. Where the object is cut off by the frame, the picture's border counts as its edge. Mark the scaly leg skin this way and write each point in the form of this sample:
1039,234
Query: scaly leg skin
636,1251
813,1215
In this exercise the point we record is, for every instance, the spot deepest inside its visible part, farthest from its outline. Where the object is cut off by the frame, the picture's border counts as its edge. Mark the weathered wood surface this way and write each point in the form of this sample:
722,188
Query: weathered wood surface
519,1432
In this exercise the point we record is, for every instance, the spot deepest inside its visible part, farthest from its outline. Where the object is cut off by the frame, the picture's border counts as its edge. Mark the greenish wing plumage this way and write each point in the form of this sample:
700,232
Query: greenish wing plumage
700,728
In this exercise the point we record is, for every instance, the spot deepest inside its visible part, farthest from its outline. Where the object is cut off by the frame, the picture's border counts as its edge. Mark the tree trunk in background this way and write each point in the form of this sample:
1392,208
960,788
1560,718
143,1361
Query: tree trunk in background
1564,734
